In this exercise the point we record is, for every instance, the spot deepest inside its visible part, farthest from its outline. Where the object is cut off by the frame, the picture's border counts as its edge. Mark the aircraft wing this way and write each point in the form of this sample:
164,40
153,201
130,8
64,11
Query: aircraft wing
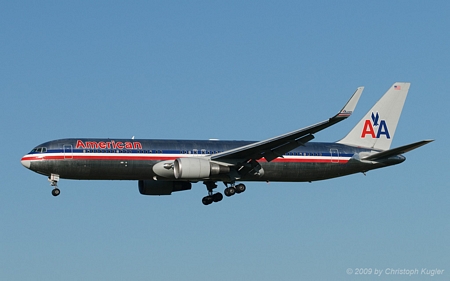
275,147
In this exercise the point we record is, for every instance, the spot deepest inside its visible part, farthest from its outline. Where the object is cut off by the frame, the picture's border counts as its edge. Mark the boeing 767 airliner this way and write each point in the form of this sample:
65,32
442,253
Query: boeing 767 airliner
165,166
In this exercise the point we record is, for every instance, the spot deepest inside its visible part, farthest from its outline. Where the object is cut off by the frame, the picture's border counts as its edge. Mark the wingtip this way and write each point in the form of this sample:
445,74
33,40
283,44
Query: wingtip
350,106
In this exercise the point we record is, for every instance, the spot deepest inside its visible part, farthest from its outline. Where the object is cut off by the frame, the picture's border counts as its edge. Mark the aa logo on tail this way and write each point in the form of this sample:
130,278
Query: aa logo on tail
375,128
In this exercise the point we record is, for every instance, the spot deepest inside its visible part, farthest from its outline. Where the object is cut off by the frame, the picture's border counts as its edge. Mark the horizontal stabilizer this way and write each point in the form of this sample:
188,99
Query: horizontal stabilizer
396,151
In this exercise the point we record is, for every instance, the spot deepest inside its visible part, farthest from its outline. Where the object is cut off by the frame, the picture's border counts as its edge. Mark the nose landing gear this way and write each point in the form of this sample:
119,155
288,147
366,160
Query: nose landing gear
53,179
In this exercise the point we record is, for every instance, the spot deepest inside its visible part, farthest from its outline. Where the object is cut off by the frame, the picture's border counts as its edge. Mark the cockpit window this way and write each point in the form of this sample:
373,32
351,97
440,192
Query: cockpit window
39,150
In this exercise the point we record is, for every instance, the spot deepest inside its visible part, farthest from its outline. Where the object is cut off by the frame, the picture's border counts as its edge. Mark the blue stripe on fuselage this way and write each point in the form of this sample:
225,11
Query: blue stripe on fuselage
192,147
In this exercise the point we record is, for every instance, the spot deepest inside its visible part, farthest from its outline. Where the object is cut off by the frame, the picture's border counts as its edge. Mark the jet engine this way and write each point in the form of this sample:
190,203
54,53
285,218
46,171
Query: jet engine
197,168
151,187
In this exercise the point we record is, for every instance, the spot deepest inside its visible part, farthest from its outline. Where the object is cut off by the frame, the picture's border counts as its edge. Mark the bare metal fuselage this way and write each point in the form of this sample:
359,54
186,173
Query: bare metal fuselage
106,159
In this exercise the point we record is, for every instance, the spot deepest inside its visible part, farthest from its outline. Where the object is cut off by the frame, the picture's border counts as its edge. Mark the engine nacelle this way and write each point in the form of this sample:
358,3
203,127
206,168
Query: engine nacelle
151,187
164,169
197,168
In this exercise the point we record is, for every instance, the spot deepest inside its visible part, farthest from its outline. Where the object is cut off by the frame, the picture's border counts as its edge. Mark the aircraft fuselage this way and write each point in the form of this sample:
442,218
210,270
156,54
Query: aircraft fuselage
119,159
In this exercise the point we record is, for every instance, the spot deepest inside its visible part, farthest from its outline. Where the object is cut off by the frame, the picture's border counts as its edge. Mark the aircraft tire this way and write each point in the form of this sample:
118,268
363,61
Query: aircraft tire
207,200
240,188
56,192
217,197
230,191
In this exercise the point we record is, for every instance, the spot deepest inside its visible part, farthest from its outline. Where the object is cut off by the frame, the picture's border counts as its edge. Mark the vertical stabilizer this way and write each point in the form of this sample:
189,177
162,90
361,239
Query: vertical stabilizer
377,128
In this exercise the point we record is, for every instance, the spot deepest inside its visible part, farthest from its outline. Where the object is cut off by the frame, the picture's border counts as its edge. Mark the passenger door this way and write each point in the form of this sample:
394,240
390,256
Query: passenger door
68,151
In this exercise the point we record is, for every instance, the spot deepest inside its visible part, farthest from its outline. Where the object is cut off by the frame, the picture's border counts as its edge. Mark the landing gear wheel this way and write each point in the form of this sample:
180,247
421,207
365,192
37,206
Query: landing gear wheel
207,200
229,191
240,188
217,197
56,192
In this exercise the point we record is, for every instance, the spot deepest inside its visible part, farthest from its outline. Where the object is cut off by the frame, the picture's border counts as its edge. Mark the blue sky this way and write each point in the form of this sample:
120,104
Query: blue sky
227,70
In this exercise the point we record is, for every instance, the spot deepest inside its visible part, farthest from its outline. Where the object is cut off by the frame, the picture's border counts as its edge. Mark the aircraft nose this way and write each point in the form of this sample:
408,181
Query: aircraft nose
25,163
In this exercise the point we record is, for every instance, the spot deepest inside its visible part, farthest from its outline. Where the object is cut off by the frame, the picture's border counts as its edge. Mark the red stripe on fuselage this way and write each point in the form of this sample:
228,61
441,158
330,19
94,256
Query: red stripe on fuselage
165,158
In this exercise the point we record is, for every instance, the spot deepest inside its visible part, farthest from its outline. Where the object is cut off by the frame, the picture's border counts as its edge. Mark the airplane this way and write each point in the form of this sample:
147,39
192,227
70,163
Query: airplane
165,166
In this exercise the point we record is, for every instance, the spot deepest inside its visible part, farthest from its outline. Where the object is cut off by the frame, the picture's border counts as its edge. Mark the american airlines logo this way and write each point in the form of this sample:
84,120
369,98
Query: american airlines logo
345,113
375,128
109,144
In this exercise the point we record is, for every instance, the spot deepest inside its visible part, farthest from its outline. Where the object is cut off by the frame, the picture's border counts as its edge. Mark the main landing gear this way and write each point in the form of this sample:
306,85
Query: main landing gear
216,197
212,197
233,189
53,179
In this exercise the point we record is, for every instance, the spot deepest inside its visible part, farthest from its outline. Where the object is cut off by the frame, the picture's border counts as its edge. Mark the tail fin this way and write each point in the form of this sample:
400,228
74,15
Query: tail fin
377,128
